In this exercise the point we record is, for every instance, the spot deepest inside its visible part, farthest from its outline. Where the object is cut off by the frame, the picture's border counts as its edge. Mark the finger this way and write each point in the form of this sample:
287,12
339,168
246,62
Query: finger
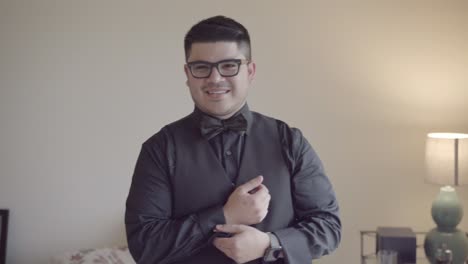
264,202
263,187
261,190
224,245
266,199
232,229
260,195
252,184
220,243
222,234
265,214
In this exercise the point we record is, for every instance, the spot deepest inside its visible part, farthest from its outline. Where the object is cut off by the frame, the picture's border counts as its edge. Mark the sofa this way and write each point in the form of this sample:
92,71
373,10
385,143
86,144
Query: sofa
109,255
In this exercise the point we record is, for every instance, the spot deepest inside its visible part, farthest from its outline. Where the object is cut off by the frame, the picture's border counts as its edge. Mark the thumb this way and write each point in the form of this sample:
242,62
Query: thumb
231,229
252,184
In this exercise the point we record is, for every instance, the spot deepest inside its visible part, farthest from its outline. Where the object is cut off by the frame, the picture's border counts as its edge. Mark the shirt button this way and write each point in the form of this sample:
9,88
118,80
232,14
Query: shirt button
228,153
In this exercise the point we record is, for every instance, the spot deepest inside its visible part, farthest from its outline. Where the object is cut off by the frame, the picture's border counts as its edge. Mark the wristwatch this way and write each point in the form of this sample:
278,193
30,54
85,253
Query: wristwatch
274,250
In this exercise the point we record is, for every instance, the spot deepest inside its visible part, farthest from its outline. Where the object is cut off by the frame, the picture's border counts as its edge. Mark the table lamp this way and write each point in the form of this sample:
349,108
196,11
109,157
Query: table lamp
447,164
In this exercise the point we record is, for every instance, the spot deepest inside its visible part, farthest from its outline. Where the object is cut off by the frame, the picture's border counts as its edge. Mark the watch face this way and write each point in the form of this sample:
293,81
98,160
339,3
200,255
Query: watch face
272,254
276,253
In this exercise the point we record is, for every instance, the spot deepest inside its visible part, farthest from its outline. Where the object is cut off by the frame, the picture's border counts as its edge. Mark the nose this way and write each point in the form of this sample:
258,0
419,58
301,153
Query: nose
214,76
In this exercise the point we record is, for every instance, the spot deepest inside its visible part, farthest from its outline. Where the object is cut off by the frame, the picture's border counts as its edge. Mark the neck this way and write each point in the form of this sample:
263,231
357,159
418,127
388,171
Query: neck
224,117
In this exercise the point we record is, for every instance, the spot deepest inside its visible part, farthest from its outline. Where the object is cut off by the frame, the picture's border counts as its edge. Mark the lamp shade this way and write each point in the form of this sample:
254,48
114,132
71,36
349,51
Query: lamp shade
447,158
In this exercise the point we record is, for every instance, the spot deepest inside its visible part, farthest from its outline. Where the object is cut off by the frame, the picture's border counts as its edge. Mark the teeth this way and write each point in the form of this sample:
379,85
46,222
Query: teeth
218,92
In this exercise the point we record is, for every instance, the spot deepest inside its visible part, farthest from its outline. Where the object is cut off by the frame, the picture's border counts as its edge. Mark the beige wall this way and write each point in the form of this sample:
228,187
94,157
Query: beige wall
84,83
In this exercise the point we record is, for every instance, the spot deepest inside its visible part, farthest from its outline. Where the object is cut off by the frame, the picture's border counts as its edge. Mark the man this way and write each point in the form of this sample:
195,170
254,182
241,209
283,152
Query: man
225,184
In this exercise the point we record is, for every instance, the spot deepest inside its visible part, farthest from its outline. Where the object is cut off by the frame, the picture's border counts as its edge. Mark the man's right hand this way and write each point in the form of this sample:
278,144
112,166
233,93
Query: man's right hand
248,204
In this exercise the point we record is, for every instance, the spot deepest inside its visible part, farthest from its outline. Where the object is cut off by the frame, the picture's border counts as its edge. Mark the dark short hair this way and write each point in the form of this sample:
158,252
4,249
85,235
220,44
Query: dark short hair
218,28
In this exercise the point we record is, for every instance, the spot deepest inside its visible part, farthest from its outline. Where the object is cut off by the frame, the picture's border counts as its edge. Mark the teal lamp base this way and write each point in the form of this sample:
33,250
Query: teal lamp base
437,240
447,212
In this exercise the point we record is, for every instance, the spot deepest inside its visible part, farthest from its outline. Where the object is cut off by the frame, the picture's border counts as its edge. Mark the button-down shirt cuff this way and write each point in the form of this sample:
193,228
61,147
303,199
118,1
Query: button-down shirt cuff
209,218
295,246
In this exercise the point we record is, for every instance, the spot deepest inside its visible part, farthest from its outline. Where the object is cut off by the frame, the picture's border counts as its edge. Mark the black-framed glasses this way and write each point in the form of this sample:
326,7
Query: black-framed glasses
226,68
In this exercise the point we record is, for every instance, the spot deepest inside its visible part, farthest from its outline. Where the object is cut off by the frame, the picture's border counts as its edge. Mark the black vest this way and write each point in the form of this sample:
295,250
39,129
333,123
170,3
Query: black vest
199,180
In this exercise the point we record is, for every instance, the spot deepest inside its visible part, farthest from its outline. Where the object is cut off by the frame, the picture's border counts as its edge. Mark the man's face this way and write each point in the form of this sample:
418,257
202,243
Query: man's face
217,95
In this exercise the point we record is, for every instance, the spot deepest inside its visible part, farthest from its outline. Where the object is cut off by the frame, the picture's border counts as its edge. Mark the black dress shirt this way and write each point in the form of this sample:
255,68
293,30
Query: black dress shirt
228,145
148,225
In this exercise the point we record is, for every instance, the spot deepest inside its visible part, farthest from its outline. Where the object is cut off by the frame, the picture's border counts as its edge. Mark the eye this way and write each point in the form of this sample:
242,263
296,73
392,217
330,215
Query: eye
200,67
228,65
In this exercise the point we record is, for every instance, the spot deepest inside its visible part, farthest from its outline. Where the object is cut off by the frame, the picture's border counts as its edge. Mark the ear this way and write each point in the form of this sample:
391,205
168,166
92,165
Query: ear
187,73
251,69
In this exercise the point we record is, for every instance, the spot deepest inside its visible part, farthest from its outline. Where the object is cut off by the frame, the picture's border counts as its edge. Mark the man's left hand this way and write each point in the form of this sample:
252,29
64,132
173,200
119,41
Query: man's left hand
246,244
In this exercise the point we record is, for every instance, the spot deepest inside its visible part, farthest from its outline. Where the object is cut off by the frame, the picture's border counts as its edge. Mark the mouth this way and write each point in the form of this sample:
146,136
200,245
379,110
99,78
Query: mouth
217,91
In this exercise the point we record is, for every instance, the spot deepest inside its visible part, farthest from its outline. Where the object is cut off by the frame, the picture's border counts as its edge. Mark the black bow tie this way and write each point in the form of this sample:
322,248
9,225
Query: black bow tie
210,127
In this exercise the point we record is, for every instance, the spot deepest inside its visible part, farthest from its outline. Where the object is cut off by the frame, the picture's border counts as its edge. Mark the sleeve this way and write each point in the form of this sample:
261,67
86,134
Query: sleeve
317,229
153,235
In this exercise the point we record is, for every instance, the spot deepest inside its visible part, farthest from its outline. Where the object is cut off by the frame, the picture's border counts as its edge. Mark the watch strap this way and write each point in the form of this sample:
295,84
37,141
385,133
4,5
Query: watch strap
274,250
274,242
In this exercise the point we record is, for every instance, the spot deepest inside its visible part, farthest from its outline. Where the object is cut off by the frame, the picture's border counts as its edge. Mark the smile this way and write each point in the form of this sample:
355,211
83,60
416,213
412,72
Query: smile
218,92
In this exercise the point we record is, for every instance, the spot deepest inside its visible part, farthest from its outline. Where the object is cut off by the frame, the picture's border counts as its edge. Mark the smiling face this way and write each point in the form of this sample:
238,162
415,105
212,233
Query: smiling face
216,95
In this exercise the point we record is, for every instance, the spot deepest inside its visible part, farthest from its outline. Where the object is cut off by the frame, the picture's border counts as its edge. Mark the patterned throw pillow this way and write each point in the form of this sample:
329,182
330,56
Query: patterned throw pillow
114,255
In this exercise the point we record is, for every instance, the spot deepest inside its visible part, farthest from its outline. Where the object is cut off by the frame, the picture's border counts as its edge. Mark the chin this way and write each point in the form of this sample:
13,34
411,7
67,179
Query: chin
220,112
